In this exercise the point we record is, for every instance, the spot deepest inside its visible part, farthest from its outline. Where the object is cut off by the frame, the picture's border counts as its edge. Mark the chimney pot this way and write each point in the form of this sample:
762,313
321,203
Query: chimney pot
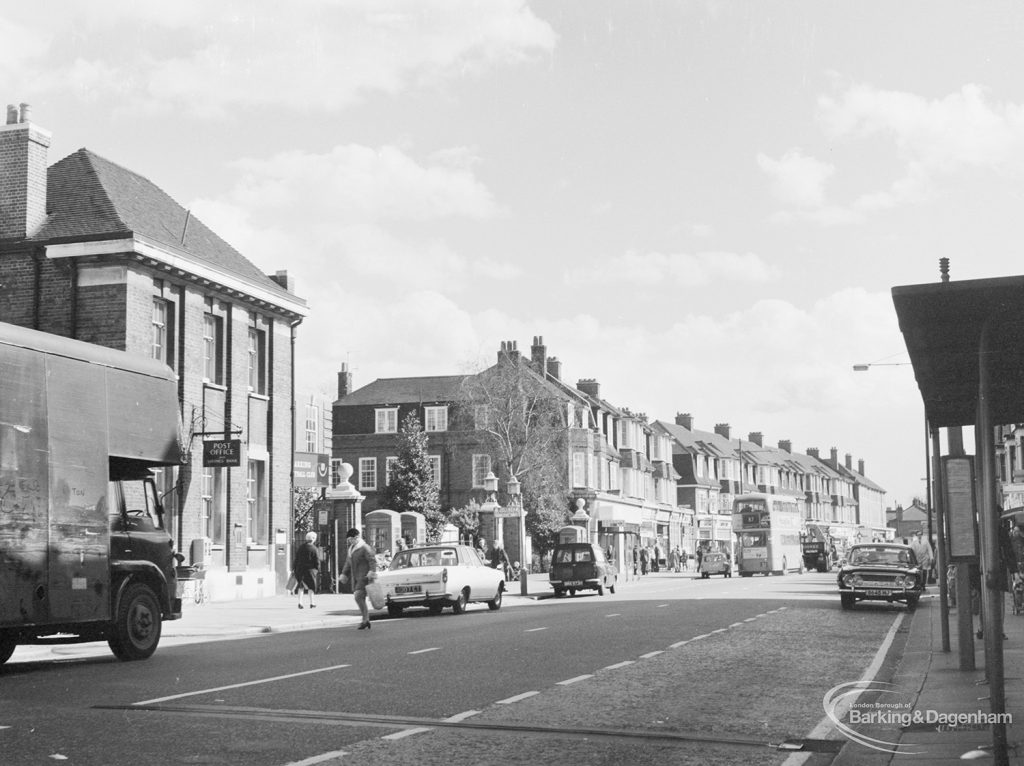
26,112
756,437
344,381
786,445
722,429
860,467
12,114
684,419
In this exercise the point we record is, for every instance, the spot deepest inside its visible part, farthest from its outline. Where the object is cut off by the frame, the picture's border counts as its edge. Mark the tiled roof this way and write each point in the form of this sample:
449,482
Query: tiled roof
441,388
90,198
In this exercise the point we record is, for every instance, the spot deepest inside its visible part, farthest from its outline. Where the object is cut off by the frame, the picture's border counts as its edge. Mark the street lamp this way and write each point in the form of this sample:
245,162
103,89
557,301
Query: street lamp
516,499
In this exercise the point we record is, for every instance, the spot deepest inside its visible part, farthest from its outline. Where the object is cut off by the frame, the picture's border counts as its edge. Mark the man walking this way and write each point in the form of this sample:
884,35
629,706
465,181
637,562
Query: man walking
360,567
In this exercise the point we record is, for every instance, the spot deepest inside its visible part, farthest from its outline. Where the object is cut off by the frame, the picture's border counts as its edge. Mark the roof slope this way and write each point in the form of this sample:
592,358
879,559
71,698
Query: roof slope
91,198
439,388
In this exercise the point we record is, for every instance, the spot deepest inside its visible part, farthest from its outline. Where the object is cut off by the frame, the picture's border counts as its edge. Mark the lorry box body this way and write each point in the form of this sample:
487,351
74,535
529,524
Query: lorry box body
83,545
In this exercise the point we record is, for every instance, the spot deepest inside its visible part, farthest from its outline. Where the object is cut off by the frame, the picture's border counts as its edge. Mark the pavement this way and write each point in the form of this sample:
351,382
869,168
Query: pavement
929,682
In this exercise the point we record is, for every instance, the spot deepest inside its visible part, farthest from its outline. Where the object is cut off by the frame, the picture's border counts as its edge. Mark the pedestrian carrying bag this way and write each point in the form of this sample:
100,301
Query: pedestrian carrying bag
293,584
375,593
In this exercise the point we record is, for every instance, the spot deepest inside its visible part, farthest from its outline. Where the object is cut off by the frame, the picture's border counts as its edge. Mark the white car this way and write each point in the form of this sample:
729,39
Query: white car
436,576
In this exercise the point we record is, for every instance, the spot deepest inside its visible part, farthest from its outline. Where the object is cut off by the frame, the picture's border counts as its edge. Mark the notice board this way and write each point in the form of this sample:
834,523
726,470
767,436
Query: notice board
958,492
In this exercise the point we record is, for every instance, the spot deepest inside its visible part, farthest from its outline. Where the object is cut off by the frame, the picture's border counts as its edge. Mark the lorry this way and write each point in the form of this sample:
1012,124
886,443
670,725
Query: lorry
819,552
85,553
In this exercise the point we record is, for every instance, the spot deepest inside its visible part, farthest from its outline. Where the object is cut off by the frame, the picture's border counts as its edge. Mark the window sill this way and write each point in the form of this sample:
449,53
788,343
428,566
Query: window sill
217,386
254,395
255,547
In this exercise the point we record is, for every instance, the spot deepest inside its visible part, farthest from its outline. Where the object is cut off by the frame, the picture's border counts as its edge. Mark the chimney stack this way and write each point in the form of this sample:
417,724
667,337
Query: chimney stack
860,467
344,381
849,461
834,457
590,387
538,355
814,452
554,367
684,419
757,437
722,429
284,279
508,352
786,445
23,148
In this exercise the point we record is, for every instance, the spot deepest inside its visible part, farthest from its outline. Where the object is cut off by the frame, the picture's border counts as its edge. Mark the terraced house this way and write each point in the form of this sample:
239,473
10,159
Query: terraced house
93,251
618,473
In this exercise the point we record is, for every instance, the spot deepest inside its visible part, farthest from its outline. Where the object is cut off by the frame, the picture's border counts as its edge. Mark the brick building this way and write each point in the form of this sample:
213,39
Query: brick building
93,251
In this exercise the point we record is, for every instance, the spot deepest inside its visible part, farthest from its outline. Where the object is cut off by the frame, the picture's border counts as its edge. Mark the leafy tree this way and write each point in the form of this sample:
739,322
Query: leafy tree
522,422
412,486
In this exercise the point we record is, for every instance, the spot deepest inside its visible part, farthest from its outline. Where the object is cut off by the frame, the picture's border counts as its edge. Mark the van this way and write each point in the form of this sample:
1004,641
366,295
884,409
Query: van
581,566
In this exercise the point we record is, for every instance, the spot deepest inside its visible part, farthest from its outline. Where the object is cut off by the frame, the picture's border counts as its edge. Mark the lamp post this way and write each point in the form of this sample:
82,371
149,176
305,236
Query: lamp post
516,498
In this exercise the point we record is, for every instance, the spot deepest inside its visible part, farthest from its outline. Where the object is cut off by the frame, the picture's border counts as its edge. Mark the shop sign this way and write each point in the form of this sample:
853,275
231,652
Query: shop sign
310,469
223,453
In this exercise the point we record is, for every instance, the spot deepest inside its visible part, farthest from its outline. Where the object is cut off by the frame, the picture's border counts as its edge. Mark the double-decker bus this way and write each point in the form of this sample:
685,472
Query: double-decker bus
767,529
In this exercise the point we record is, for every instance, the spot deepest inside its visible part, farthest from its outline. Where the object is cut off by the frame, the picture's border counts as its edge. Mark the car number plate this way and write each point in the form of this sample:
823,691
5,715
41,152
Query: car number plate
573,582
408,589
877,592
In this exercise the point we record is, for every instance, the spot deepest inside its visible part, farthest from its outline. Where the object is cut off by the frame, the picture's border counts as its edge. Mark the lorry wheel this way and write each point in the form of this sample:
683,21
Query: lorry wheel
7,647
136,627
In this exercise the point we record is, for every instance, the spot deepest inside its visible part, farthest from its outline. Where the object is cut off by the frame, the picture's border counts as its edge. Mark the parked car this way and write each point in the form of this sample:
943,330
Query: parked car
581,566
880,572
437,576
715,563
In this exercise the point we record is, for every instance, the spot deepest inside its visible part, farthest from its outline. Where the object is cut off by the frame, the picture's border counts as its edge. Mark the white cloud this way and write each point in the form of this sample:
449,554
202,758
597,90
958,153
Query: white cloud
796,178
673,269
296,56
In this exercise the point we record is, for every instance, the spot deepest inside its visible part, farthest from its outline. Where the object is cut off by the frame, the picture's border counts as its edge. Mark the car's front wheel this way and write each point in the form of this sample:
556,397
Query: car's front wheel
912,602
847,600
600,589
495,603
394,610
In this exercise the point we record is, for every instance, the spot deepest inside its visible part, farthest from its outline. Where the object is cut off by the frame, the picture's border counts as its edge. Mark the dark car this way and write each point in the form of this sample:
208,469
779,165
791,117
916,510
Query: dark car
581,566
880,572
715,563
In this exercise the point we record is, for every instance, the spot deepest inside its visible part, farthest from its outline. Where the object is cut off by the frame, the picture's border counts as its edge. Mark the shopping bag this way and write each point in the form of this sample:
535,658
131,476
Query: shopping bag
293,584
375,593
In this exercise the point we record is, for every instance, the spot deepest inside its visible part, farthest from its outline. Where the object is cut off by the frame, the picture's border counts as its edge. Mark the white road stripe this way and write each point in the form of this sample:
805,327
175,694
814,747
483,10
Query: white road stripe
406,733
661,606
517,698
750,619
701,636
650,654
736,625
533,630
424,651
239,686
318,758
616,614
618,665
677,644
461,716
568,681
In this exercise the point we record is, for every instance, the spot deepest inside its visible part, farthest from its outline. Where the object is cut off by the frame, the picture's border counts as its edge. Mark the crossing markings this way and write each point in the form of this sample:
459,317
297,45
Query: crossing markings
239,686
424,651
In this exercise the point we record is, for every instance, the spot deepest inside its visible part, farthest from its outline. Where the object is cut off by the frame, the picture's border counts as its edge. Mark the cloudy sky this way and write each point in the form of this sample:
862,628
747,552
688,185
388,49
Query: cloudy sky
703,205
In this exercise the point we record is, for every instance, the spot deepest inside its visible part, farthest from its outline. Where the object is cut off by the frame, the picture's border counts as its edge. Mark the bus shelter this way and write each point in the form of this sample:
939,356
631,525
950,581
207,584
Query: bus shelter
966,345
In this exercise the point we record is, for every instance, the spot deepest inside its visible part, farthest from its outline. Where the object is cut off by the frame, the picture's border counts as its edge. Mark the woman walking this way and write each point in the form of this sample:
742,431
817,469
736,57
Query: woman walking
306,568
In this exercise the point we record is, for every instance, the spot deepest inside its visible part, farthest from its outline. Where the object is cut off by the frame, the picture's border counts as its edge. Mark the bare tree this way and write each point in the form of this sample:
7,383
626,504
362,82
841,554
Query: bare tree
522,420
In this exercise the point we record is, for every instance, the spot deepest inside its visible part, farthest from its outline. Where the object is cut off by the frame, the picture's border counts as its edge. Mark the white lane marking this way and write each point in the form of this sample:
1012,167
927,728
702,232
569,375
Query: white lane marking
318,758
750,619
239,686
736,625
461,716
533,630
424,651
661,606
568,681
517,698
719,630
406,733
677,644
701,636
616,614
618,665
650,654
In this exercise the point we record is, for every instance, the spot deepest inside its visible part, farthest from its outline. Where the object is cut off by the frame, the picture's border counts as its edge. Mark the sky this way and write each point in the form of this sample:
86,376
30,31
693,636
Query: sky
702,205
